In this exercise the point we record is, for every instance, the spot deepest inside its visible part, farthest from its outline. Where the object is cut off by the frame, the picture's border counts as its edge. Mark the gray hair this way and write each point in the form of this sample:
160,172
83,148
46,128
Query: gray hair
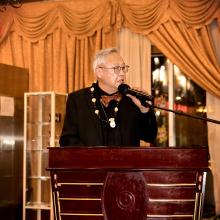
101,55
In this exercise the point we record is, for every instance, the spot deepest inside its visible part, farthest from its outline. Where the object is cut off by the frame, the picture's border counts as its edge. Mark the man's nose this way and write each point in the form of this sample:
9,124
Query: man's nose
122,72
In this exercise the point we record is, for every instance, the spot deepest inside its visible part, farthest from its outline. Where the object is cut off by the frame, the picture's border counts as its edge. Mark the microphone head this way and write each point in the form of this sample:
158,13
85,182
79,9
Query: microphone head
123,88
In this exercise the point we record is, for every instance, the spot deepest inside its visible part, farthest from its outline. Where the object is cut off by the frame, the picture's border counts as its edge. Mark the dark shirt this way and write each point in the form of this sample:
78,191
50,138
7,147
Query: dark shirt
111,136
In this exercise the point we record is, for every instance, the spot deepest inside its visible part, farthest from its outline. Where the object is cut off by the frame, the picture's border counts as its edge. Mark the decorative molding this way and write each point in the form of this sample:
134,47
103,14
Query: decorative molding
12,3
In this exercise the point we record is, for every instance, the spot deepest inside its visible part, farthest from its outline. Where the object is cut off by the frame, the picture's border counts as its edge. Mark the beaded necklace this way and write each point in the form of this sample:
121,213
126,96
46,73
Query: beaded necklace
97,105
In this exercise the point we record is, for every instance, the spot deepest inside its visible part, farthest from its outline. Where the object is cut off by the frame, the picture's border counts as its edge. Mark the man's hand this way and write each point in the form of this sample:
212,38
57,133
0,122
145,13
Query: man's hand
137,102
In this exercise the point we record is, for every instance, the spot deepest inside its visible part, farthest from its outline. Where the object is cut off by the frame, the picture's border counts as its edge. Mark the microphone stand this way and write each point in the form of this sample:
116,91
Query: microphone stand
146,104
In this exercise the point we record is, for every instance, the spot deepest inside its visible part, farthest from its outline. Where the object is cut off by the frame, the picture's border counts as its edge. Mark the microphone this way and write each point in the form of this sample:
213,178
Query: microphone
125,89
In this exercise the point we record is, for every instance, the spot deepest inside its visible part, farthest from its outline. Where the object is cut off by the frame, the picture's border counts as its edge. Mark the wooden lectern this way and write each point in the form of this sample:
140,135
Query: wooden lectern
99,183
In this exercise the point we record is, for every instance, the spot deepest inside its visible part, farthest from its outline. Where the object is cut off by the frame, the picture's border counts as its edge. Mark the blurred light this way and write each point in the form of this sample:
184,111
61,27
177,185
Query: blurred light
157,92
182,81
201,109
178,98
8,141
156,75
163,75
188,85
176,70
157,113
162,67
156,61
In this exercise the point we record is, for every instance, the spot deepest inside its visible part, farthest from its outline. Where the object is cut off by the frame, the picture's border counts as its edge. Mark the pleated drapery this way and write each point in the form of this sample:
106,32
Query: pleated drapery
60,38
56,41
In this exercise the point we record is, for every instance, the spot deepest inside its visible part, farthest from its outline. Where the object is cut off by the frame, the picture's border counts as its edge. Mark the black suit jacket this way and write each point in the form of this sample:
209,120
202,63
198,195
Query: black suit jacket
82,127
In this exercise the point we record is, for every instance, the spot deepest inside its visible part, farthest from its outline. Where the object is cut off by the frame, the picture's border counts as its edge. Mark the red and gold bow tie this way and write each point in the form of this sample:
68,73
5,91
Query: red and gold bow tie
105,99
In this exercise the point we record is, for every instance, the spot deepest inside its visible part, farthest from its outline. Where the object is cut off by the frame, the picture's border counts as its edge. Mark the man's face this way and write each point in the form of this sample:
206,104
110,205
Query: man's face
109,79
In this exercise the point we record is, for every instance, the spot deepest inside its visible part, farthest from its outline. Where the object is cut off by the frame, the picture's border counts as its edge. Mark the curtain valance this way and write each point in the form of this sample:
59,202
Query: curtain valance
83,18
146,16
36,20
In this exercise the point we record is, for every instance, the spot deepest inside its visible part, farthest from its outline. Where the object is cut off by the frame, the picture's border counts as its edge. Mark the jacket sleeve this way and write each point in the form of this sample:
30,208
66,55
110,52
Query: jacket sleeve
69,135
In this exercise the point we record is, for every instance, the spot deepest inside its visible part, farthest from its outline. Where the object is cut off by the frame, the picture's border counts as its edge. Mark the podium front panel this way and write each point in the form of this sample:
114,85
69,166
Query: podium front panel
128,189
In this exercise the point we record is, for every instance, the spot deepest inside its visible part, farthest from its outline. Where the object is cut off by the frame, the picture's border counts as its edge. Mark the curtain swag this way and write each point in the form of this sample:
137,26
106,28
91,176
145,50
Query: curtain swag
83,18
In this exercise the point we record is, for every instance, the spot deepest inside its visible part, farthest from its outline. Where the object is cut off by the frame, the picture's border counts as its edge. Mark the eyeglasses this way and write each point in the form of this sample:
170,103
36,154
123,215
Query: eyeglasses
117,69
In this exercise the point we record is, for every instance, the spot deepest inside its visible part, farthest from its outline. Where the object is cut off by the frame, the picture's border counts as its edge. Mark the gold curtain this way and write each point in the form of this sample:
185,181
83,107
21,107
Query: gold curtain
135,50
57,40
180,29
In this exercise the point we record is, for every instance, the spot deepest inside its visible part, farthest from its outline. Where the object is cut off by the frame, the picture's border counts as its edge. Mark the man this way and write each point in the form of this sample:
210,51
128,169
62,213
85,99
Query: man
100,116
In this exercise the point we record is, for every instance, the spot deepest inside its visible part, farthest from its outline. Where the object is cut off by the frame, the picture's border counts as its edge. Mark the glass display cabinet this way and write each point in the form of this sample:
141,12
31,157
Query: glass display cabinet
43,121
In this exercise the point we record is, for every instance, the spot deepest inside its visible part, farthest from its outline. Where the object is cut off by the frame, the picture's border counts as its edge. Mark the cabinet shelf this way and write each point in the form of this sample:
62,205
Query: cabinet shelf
37,150
37,123
43,121
43,178
43,206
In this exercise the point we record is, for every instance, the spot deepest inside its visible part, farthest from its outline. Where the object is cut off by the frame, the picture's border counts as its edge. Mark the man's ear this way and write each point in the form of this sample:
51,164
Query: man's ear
99,73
